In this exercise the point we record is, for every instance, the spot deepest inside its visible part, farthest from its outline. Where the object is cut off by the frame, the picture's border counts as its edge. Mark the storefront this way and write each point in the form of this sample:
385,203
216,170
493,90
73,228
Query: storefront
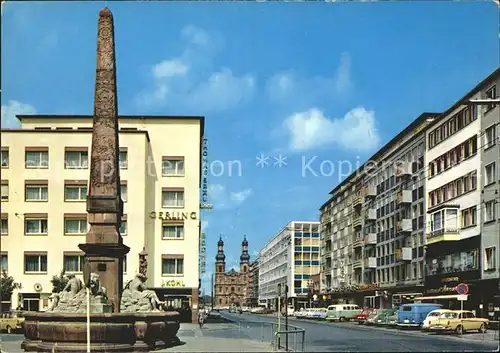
184,300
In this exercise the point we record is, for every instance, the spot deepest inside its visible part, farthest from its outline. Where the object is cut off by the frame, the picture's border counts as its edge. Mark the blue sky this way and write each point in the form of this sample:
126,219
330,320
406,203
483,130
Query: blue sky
319,80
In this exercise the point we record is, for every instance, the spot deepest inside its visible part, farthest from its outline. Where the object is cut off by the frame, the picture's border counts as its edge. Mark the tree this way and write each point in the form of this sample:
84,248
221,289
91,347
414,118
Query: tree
6,286
59,282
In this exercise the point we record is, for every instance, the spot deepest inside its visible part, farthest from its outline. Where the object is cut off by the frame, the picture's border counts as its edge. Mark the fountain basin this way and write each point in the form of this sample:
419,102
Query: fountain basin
109,332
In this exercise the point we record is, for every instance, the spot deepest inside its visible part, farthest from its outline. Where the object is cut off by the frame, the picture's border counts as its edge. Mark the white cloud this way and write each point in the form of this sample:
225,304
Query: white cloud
290,86
221,199
241,196
311,129
187,83
13,108
169,68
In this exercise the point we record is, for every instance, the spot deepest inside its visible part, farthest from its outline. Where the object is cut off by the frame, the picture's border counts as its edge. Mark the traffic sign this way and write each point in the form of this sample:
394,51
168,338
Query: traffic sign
462,297
462,289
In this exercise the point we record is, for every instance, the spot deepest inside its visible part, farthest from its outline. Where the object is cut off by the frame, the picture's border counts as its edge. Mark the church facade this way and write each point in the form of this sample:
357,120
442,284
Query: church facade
231,287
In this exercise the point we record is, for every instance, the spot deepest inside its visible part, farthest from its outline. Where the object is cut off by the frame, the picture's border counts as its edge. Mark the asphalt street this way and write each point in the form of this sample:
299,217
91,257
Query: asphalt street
322,336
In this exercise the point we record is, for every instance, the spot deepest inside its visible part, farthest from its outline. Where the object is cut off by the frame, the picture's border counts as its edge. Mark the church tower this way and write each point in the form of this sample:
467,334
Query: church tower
220,258
244,258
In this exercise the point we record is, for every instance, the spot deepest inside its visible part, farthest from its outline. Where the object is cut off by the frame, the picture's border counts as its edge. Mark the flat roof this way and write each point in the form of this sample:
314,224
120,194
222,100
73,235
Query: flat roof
79,130
20,117
495,74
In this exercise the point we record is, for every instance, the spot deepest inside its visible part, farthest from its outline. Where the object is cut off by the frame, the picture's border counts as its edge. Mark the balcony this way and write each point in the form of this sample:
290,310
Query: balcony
371,214
371,239
370,191
403,254
357,221
370,262
358,242
403,169
357,264
444,234
404,225
404,196
358,200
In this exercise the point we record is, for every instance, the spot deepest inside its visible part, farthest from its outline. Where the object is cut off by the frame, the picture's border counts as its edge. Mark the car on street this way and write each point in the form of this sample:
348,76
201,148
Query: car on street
363,316
300,314
459,321
370,320
12,321
342,312
379,318
413,315
432,317
318,314
258,310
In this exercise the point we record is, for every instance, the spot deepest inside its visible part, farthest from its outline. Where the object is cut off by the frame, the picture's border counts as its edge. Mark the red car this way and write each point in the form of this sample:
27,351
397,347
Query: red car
361,318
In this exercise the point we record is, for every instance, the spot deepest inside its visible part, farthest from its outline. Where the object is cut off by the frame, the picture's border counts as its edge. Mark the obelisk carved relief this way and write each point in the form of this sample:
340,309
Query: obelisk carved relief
104,249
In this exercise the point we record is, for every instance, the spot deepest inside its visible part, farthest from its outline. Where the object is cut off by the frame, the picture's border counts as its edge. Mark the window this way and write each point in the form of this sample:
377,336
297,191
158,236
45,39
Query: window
172,266
490,258
123,225
37,159
4,190
4,158
123,159
125,264
73,263
173,231
491,94
75,192
469,217
35,226
454,262
172,198
74,226
489,136
489,211
36,193
173,166
4,263
124,191
76,159
35,263
4,226
489,174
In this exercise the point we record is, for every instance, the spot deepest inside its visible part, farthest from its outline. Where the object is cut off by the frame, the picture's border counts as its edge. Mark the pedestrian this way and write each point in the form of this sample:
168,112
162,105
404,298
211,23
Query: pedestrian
201,318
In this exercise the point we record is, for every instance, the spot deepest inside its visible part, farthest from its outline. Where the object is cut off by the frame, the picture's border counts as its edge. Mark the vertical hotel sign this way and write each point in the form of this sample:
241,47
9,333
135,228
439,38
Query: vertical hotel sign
203,250
204,205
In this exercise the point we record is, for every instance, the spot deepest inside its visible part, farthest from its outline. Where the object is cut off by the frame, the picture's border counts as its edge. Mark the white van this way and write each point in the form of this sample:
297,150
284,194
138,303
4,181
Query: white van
342,312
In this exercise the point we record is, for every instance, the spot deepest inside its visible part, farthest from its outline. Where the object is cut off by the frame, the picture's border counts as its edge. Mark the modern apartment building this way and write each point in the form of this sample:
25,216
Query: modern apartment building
462,200
44,187
373,225
289,258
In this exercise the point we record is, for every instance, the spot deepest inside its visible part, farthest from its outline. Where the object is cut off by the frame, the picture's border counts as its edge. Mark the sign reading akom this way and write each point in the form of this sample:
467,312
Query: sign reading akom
173,216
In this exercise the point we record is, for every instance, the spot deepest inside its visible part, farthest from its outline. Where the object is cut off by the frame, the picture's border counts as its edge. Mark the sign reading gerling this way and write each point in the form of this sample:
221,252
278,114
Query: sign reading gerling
204,177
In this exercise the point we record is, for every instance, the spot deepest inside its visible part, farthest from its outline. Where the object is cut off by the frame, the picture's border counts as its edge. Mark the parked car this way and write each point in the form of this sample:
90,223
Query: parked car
258,310
413,315
372,317
459,322
300,314
11,321
432,317
342,312
363,316
389,317
379,318
319,314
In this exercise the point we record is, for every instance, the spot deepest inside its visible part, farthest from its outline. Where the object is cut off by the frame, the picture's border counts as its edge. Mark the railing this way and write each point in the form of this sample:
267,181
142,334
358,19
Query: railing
287,336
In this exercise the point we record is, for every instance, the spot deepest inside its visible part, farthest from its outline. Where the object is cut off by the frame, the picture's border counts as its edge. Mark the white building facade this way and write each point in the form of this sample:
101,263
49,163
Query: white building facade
290,258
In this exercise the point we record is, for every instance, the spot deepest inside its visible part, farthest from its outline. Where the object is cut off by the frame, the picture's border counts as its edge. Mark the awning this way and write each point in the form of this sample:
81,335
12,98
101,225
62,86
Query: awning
439,297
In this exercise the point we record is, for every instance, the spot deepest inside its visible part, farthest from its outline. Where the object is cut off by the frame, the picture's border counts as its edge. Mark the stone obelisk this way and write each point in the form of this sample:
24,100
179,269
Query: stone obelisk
104,249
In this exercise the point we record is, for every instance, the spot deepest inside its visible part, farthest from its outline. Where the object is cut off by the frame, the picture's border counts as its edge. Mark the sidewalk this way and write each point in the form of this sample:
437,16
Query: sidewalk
215,338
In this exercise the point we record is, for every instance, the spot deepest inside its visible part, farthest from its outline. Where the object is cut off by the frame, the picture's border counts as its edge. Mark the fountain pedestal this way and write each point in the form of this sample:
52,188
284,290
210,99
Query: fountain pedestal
109,332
